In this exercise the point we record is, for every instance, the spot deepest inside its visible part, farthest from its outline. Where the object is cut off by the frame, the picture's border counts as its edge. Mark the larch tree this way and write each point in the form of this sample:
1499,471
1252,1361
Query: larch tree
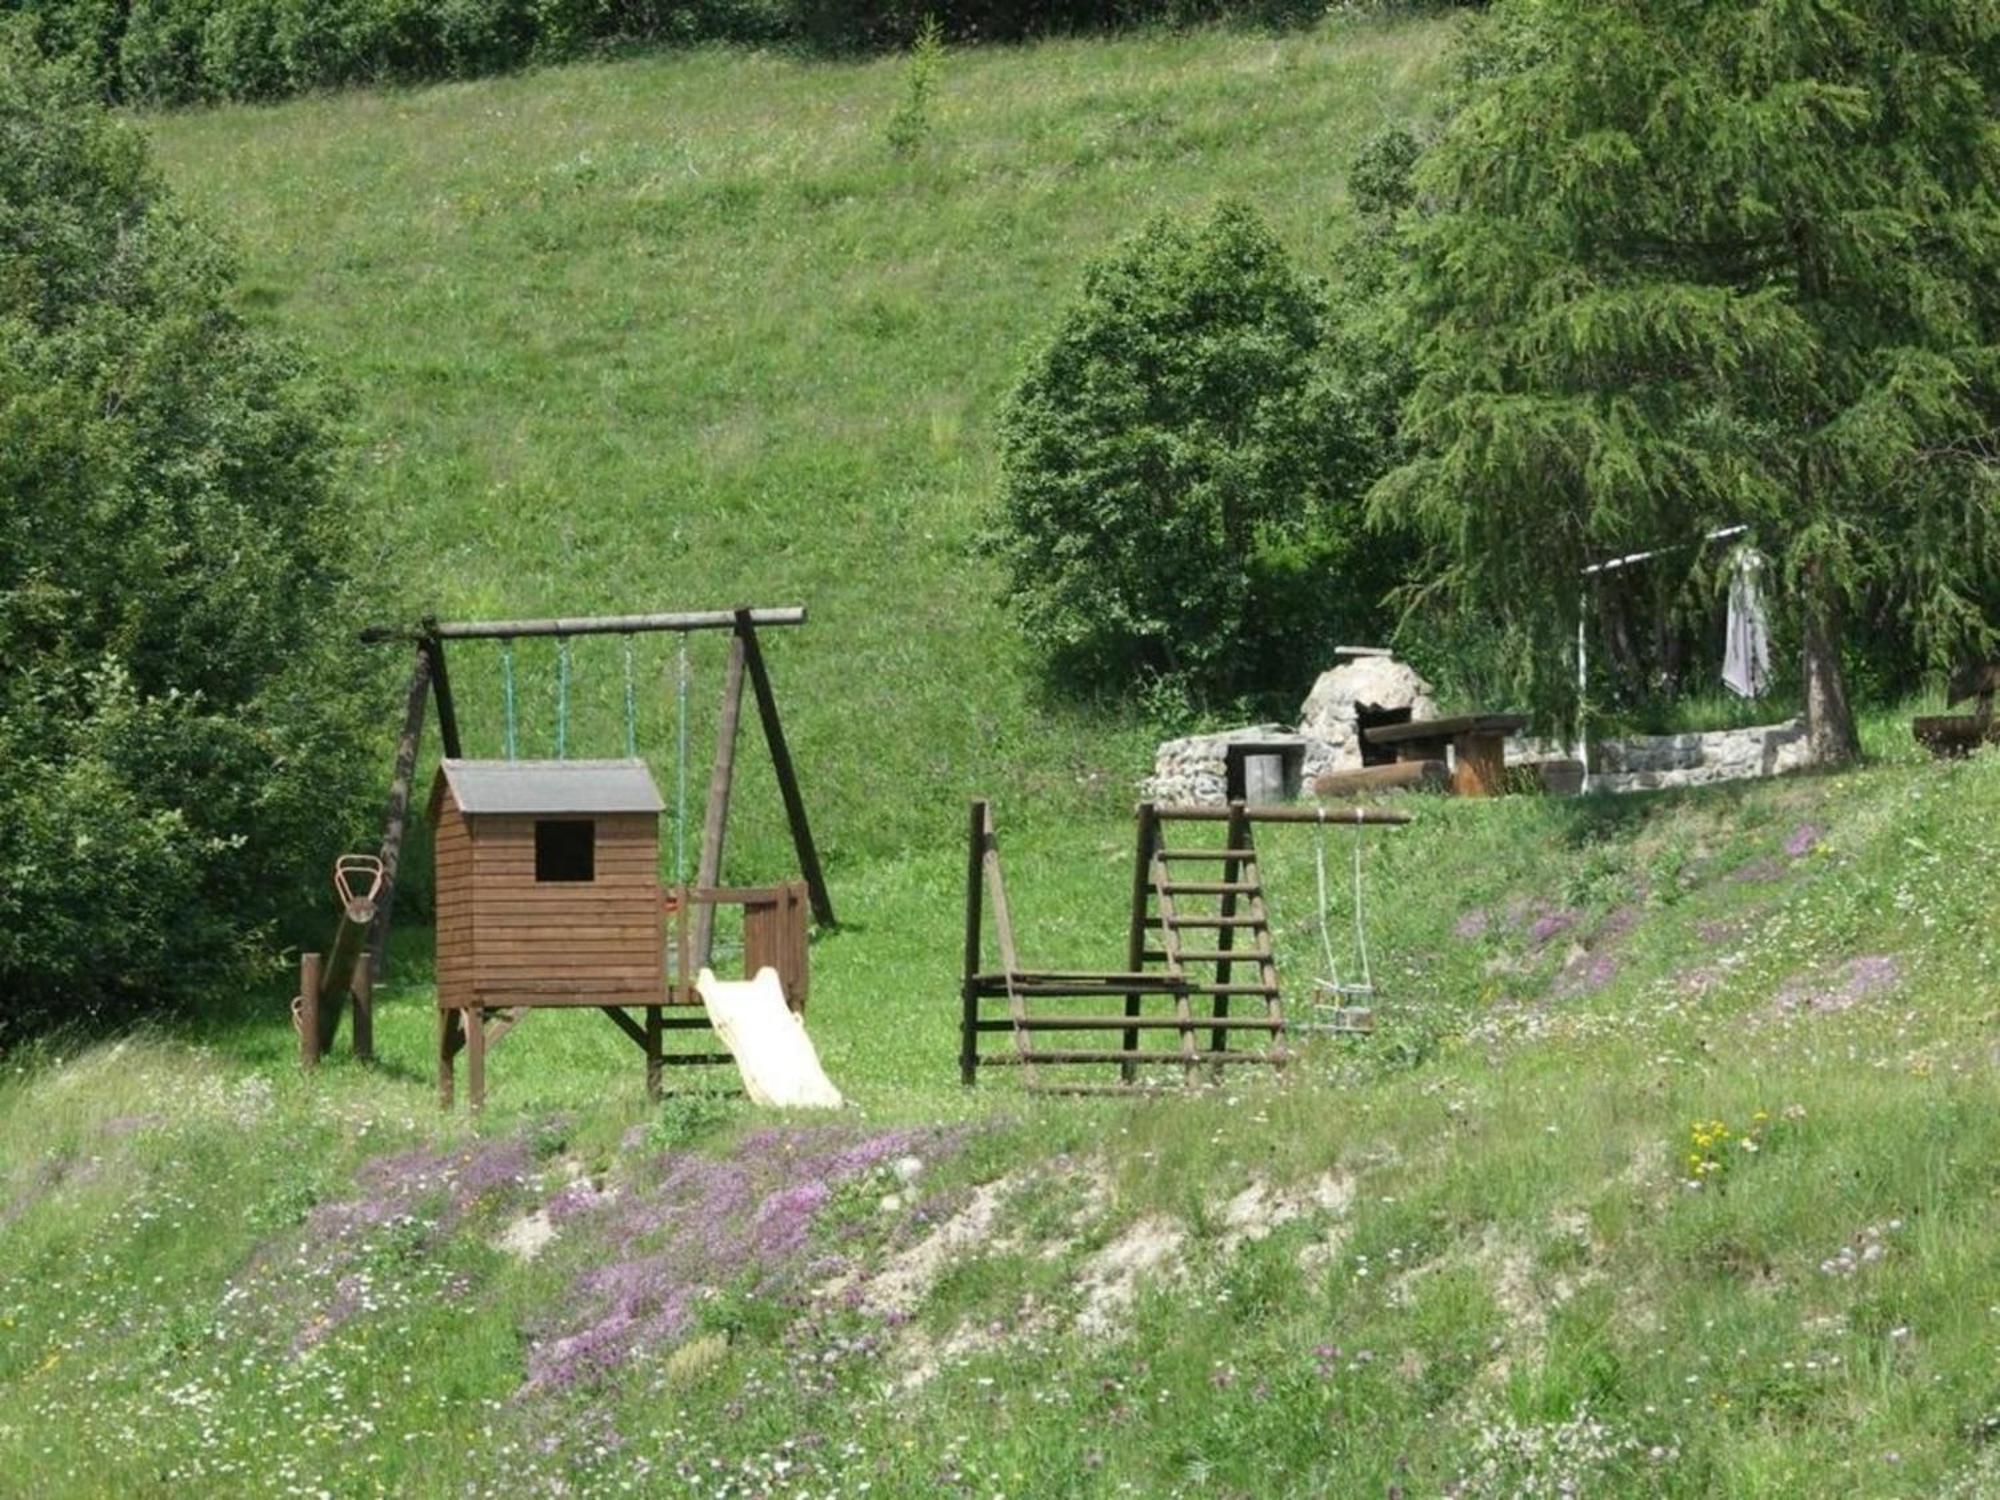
1690,263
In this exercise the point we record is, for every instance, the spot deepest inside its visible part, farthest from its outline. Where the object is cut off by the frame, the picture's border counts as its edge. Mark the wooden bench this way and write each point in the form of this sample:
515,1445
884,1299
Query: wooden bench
1478,743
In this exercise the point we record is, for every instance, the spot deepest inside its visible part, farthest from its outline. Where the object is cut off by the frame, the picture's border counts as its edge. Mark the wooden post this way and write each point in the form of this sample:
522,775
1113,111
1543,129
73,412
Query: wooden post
975,898
363,986
1481,769
397,817
336,978
309,970
654,1051
781,762
474,1020
450,1038
1142,880
441,687
715,826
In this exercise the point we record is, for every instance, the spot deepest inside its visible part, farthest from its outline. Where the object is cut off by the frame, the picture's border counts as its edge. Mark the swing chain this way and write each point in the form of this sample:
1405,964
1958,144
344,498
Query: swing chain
507,692
562,697
631,707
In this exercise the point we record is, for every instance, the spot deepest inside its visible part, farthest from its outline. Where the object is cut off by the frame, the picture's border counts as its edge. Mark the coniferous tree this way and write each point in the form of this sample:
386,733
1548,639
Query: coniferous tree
1690,263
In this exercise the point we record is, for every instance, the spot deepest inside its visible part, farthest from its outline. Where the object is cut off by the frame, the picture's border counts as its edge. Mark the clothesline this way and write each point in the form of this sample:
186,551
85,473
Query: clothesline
1612,565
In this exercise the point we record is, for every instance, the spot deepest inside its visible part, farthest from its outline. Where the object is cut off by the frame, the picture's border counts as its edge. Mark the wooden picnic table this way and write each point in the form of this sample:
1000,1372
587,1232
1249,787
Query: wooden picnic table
1478,743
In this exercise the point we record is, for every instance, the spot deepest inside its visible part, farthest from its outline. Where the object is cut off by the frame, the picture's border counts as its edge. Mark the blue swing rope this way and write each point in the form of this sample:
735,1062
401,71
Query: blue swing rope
562,697
507,691
631,707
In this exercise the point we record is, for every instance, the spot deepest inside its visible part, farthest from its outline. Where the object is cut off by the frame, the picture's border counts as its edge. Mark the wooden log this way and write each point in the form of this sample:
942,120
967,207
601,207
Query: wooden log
781,762
1413,775
396,819
715,824
496,630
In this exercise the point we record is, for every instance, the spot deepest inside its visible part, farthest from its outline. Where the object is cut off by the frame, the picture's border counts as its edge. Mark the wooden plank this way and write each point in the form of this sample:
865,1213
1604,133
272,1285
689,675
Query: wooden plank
396,818
715,822
781,762
571,997
1161,1056
1122,1023
1433,729
450,1036
1374,817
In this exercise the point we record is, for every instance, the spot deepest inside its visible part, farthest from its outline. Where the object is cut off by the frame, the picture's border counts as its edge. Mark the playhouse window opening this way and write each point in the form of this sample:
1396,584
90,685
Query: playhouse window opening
565,850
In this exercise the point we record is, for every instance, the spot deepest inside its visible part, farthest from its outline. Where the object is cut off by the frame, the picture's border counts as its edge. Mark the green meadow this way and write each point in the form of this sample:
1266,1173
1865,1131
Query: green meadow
1671,1168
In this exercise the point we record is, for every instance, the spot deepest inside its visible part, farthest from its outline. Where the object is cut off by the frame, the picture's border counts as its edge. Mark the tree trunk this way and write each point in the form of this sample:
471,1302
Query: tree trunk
1830,733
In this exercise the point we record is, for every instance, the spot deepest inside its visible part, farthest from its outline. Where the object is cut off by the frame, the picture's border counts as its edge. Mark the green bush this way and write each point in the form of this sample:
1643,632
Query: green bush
1181,466
180,742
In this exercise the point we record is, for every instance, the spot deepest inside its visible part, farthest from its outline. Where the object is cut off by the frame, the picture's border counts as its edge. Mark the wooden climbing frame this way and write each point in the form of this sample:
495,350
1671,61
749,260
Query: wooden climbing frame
1207,929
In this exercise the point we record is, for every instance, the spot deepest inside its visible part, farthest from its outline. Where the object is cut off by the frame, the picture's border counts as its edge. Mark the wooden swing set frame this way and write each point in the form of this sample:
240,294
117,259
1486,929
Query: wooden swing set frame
772,922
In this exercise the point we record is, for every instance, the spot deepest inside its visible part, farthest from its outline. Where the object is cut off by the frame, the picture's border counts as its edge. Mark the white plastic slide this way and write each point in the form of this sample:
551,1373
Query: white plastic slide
768,1041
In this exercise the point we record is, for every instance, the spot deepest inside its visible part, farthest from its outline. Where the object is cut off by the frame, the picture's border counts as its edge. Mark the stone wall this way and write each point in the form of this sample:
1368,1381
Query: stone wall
1195,770
1643,762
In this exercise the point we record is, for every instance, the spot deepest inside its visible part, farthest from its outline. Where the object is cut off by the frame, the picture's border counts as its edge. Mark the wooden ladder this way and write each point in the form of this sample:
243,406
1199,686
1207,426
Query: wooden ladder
1202,907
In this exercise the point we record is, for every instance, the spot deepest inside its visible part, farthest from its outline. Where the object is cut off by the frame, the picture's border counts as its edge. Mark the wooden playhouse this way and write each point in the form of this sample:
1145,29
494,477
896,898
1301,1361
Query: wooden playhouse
547,877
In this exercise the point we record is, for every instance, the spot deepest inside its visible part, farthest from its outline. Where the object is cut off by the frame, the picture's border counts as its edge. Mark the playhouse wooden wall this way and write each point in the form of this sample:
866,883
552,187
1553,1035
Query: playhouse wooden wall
503,938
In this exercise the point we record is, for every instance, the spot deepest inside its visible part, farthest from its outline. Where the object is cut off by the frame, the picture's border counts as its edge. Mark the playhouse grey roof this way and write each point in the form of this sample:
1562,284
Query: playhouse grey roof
552,786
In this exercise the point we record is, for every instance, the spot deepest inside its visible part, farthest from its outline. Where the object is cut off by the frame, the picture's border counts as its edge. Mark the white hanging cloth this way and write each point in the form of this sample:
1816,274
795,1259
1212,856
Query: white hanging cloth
1746,652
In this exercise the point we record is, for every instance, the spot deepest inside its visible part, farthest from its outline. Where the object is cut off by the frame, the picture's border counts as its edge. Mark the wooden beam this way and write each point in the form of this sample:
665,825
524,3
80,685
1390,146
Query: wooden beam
441,688
781,762
627,1025
715,825
363,986
495,630
396,819
968,993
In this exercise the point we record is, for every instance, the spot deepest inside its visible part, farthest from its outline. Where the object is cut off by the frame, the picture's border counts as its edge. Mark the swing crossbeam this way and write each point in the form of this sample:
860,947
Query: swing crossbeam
497,630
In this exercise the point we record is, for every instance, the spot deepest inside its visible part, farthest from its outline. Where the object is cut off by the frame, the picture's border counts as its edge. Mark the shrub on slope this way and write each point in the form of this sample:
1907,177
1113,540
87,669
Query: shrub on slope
177,740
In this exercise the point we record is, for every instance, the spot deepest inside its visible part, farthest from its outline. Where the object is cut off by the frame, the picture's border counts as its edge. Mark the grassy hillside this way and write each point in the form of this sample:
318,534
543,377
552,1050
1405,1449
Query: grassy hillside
1464,1258
684,332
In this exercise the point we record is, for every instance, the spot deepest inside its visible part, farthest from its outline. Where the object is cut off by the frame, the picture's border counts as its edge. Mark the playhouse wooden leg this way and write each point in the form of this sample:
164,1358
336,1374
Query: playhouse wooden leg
475,1058
363,990
447,1055
654,1051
